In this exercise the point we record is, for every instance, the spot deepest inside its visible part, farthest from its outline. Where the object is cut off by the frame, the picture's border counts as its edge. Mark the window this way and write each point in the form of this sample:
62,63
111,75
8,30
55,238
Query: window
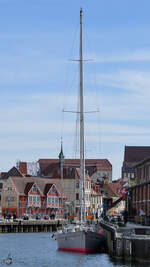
10,198
1,185
34,198
49,199
34,189
38,198
9,188
30,198
77,184
53,200
87,185
77,196
53,189
56,200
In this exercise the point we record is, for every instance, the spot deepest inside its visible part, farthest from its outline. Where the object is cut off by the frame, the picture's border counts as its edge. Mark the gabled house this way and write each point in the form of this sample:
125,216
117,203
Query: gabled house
33,196
112,194
53,197
5,175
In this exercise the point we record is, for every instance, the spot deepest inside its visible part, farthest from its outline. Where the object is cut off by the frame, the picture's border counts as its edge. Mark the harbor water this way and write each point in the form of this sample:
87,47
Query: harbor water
40,250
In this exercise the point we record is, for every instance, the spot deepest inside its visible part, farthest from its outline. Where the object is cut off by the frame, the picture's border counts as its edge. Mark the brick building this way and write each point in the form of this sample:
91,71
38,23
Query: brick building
32,196
133,155
139,197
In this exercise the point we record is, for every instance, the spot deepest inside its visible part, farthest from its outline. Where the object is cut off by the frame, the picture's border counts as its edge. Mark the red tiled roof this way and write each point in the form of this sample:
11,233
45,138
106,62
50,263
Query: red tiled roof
133,154
100,164
115,186
112,189
69,172
53,170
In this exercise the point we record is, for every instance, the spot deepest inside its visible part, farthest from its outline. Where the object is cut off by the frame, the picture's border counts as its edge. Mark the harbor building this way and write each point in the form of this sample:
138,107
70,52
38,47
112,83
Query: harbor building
139,195
133,155
4,177
33,196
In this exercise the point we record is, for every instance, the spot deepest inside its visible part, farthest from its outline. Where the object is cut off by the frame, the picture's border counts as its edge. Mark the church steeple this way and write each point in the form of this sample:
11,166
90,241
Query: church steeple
61,154
61,160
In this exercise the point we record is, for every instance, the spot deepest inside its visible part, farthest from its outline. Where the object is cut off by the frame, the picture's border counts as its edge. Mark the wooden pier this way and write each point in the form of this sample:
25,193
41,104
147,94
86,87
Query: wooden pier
30,226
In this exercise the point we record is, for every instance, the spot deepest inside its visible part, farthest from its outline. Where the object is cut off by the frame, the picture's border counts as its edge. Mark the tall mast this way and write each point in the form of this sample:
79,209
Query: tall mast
82,159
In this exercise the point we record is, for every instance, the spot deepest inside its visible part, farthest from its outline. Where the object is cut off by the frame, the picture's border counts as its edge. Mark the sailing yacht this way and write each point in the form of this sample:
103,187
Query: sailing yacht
80,237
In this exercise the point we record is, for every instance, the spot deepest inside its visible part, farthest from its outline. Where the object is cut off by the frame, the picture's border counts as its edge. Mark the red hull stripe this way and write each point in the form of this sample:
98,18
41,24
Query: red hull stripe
83,250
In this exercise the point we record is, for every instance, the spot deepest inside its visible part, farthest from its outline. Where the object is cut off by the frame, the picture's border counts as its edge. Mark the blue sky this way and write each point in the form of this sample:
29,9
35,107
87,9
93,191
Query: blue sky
38,39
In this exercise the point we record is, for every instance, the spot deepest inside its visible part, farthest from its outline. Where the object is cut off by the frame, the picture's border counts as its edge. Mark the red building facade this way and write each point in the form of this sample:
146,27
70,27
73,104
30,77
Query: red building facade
139,195
33,196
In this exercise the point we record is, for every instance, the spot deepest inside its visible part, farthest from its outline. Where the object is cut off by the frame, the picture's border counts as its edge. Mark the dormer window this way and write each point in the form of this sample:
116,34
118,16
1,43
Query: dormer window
53,189
9,188
34,189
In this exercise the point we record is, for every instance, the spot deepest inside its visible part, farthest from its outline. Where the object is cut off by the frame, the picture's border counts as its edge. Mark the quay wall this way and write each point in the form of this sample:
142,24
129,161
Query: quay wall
130,244
30,226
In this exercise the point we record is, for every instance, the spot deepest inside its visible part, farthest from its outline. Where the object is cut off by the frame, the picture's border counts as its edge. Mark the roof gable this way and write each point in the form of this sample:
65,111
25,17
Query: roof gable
28,188
35,189
10,182
47,188
13,172
54,190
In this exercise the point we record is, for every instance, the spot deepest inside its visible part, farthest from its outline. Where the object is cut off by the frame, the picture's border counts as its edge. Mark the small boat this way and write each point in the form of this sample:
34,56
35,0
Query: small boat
81,237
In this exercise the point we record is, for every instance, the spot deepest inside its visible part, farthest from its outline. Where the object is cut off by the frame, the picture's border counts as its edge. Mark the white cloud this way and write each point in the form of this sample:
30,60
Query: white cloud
123,56
136,81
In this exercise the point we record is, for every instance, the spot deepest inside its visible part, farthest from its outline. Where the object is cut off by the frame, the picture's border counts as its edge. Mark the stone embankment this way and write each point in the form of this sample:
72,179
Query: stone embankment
131,242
